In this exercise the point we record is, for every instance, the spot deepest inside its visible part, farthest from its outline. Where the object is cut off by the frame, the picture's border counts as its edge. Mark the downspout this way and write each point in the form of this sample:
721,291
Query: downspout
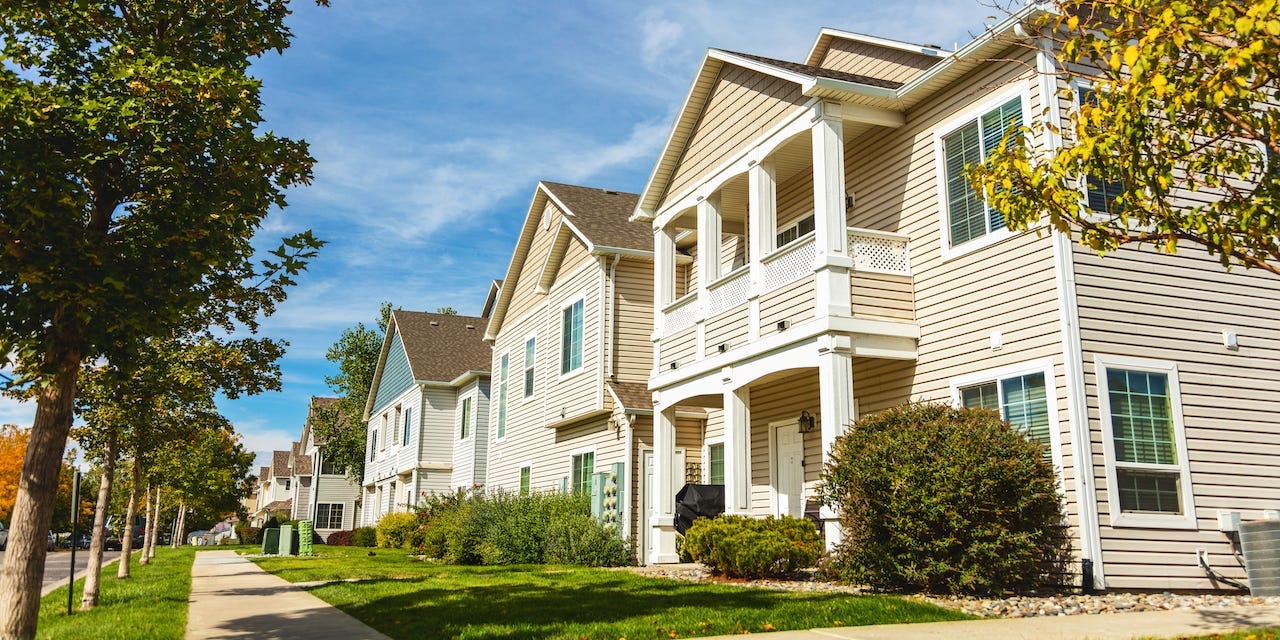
600,334
1072,351
627,444
612,283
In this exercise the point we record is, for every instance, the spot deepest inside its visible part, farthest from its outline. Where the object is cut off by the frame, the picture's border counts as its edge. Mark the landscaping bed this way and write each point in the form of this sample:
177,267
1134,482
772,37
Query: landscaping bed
407,598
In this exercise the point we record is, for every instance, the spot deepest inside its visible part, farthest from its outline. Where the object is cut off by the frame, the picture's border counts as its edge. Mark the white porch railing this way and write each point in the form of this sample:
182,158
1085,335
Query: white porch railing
879,252
680,314
729,291
790,263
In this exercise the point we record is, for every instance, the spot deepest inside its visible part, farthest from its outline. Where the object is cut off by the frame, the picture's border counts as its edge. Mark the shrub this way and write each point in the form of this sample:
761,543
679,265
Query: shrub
744,547
581,539
364,537
399,531
942,499
249,535
340,538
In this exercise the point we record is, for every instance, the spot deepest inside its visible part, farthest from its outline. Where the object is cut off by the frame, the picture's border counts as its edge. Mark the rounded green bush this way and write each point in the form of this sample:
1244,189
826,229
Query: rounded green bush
399,531
364,537
744,547
944,499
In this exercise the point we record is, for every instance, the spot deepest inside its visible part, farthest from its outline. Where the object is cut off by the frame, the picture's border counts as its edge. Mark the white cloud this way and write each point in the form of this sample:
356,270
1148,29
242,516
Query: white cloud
13,411
659,37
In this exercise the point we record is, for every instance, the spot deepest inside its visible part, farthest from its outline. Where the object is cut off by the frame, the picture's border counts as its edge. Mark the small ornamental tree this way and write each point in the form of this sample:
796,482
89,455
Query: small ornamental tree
944,500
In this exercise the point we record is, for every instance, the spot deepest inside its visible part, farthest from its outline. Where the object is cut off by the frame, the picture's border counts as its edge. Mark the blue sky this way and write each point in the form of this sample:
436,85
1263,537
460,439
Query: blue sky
431,122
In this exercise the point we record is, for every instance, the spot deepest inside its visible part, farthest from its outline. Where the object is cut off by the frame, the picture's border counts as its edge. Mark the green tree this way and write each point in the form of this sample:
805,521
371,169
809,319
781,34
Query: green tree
133,178
448,311
340,426
1175,138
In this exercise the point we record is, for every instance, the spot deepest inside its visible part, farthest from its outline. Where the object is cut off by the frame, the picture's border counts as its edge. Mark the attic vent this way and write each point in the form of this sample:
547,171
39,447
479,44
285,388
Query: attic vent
610,192
435,323
471,326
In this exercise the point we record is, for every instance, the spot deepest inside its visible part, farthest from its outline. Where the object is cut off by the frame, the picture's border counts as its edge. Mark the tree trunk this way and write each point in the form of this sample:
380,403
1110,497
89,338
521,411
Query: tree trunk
126,537
23,571
94,569
175,540
155,527
146,528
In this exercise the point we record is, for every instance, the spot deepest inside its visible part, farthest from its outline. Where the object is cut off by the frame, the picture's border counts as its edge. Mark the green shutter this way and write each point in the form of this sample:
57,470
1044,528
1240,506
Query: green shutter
577,334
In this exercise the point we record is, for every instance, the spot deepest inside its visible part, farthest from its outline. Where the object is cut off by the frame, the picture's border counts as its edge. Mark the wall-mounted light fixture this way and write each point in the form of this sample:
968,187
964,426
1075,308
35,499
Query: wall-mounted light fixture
674,364
848,200
806,422
724,346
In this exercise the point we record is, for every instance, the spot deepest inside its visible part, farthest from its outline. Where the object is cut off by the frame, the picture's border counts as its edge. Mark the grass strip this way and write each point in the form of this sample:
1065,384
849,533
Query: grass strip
150,605
405,598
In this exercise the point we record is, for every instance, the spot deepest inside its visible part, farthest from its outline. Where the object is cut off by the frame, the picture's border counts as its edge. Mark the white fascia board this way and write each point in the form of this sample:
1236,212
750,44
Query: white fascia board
974,47
641,213
505,292
377,371
762,67
829,33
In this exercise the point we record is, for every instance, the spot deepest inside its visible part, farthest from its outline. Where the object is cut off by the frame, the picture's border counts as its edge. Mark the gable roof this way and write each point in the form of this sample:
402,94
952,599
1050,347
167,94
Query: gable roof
827,35
316,403
632,395
264,475
280,464
439,347
600,218
883,98
299,463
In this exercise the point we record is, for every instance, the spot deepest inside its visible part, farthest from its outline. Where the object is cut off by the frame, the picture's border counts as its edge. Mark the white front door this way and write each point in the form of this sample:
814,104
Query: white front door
646,494
788,471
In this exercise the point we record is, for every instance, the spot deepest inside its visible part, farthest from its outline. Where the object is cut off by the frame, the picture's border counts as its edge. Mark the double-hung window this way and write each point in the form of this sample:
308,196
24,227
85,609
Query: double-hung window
1145,443
373,445
465,432
394,435
715,463
526,479
408,422
1101,194
529,359
583,466
968,215
1020,396
327,468
571,338
329,516
502,396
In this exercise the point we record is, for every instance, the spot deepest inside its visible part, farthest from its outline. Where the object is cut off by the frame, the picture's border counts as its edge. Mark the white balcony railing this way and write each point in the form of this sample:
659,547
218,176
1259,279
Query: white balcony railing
789,263
879,252
729,291
681,314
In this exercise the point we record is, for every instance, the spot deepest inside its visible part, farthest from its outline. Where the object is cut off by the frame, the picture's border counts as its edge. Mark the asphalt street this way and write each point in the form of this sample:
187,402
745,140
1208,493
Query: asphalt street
57,563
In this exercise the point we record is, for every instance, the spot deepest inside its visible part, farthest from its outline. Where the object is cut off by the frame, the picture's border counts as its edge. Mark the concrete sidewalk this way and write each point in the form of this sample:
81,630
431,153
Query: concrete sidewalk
234,598
1104,626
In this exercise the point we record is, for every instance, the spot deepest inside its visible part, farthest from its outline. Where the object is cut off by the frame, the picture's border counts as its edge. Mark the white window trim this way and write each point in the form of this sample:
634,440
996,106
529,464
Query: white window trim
591,449
582,368
1186,520
341,519
945,128
706,457
1043,365
471,428
537,346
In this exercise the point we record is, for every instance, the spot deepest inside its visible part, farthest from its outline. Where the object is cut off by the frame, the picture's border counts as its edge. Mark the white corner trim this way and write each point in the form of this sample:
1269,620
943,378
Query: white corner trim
1119,518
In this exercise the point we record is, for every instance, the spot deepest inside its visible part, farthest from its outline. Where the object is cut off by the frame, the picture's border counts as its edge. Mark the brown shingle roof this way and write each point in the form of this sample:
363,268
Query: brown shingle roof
634,395
301,465
280,464
442,347
819,72
601,215
280,505
264,475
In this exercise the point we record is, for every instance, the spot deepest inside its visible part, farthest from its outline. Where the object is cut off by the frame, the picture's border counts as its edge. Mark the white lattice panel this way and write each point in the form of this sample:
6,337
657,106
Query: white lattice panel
788,268
730,292
879,253
681,317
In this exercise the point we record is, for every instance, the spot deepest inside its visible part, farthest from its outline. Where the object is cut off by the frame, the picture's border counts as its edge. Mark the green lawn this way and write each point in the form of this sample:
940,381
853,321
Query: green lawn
151,605
1270,633
404,598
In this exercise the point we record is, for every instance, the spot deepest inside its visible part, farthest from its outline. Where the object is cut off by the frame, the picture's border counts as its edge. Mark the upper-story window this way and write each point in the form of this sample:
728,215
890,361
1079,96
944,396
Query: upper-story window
502,397
288,484
794,232
529,359
408,422
1101,194
968,215
373,445
384,432
327,467
571,338
395,436
465,431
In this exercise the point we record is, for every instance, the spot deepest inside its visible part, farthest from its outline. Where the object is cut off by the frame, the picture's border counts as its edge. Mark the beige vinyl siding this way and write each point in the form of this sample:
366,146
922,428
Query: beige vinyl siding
633,320
575,393
794,198
875,61
729,328
781,399
302,497
881,295
1143,304
794,302
641,438
680,347
525,297
742,106
439,415
336,490
469,454
575,255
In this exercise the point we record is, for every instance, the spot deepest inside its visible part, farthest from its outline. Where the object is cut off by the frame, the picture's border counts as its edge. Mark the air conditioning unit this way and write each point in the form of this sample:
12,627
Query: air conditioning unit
1260,544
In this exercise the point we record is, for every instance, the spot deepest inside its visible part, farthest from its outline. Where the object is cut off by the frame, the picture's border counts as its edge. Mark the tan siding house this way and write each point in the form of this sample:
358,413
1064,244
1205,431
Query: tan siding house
819,254
570,331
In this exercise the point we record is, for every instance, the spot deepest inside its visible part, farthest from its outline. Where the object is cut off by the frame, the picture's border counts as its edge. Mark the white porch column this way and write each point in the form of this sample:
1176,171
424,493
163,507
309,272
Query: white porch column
708,263
762,204
662,515
835,382
664,274
830,228
737,451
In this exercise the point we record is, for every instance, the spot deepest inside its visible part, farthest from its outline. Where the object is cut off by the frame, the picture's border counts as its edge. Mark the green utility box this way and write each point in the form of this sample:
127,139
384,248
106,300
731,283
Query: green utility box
288,540
270,542
305,533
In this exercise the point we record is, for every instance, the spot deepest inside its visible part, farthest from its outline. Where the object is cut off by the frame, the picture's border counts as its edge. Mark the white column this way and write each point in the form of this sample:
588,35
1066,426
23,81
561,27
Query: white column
737,451
762,203
835,382
662,529
830,228
664,273
708,241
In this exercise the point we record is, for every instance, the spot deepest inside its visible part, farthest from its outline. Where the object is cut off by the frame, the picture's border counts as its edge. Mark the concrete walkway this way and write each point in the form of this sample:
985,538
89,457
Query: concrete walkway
234,598
1104,626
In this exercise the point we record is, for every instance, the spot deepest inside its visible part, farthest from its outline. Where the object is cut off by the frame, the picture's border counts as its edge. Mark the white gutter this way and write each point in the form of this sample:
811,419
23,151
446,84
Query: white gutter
612,283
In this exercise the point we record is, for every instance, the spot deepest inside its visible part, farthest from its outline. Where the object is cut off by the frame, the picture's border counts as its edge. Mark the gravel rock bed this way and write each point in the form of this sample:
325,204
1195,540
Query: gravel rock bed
1010,607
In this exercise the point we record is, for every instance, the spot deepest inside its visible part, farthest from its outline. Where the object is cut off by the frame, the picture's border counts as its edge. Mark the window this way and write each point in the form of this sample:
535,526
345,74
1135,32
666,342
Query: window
466,419
583,465
1143,436
571,338
526,477
288,484
794,232
528,366
408,422
395,436
1021,400
329,516
327,467
715,463
384,431
373,445
968,216
502,398
1101,194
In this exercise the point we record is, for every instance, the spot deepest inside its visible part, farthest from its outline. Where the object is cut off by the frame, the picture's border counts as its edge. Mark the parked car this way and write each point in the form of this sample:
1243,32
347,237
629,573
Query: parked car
164,538
112,544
